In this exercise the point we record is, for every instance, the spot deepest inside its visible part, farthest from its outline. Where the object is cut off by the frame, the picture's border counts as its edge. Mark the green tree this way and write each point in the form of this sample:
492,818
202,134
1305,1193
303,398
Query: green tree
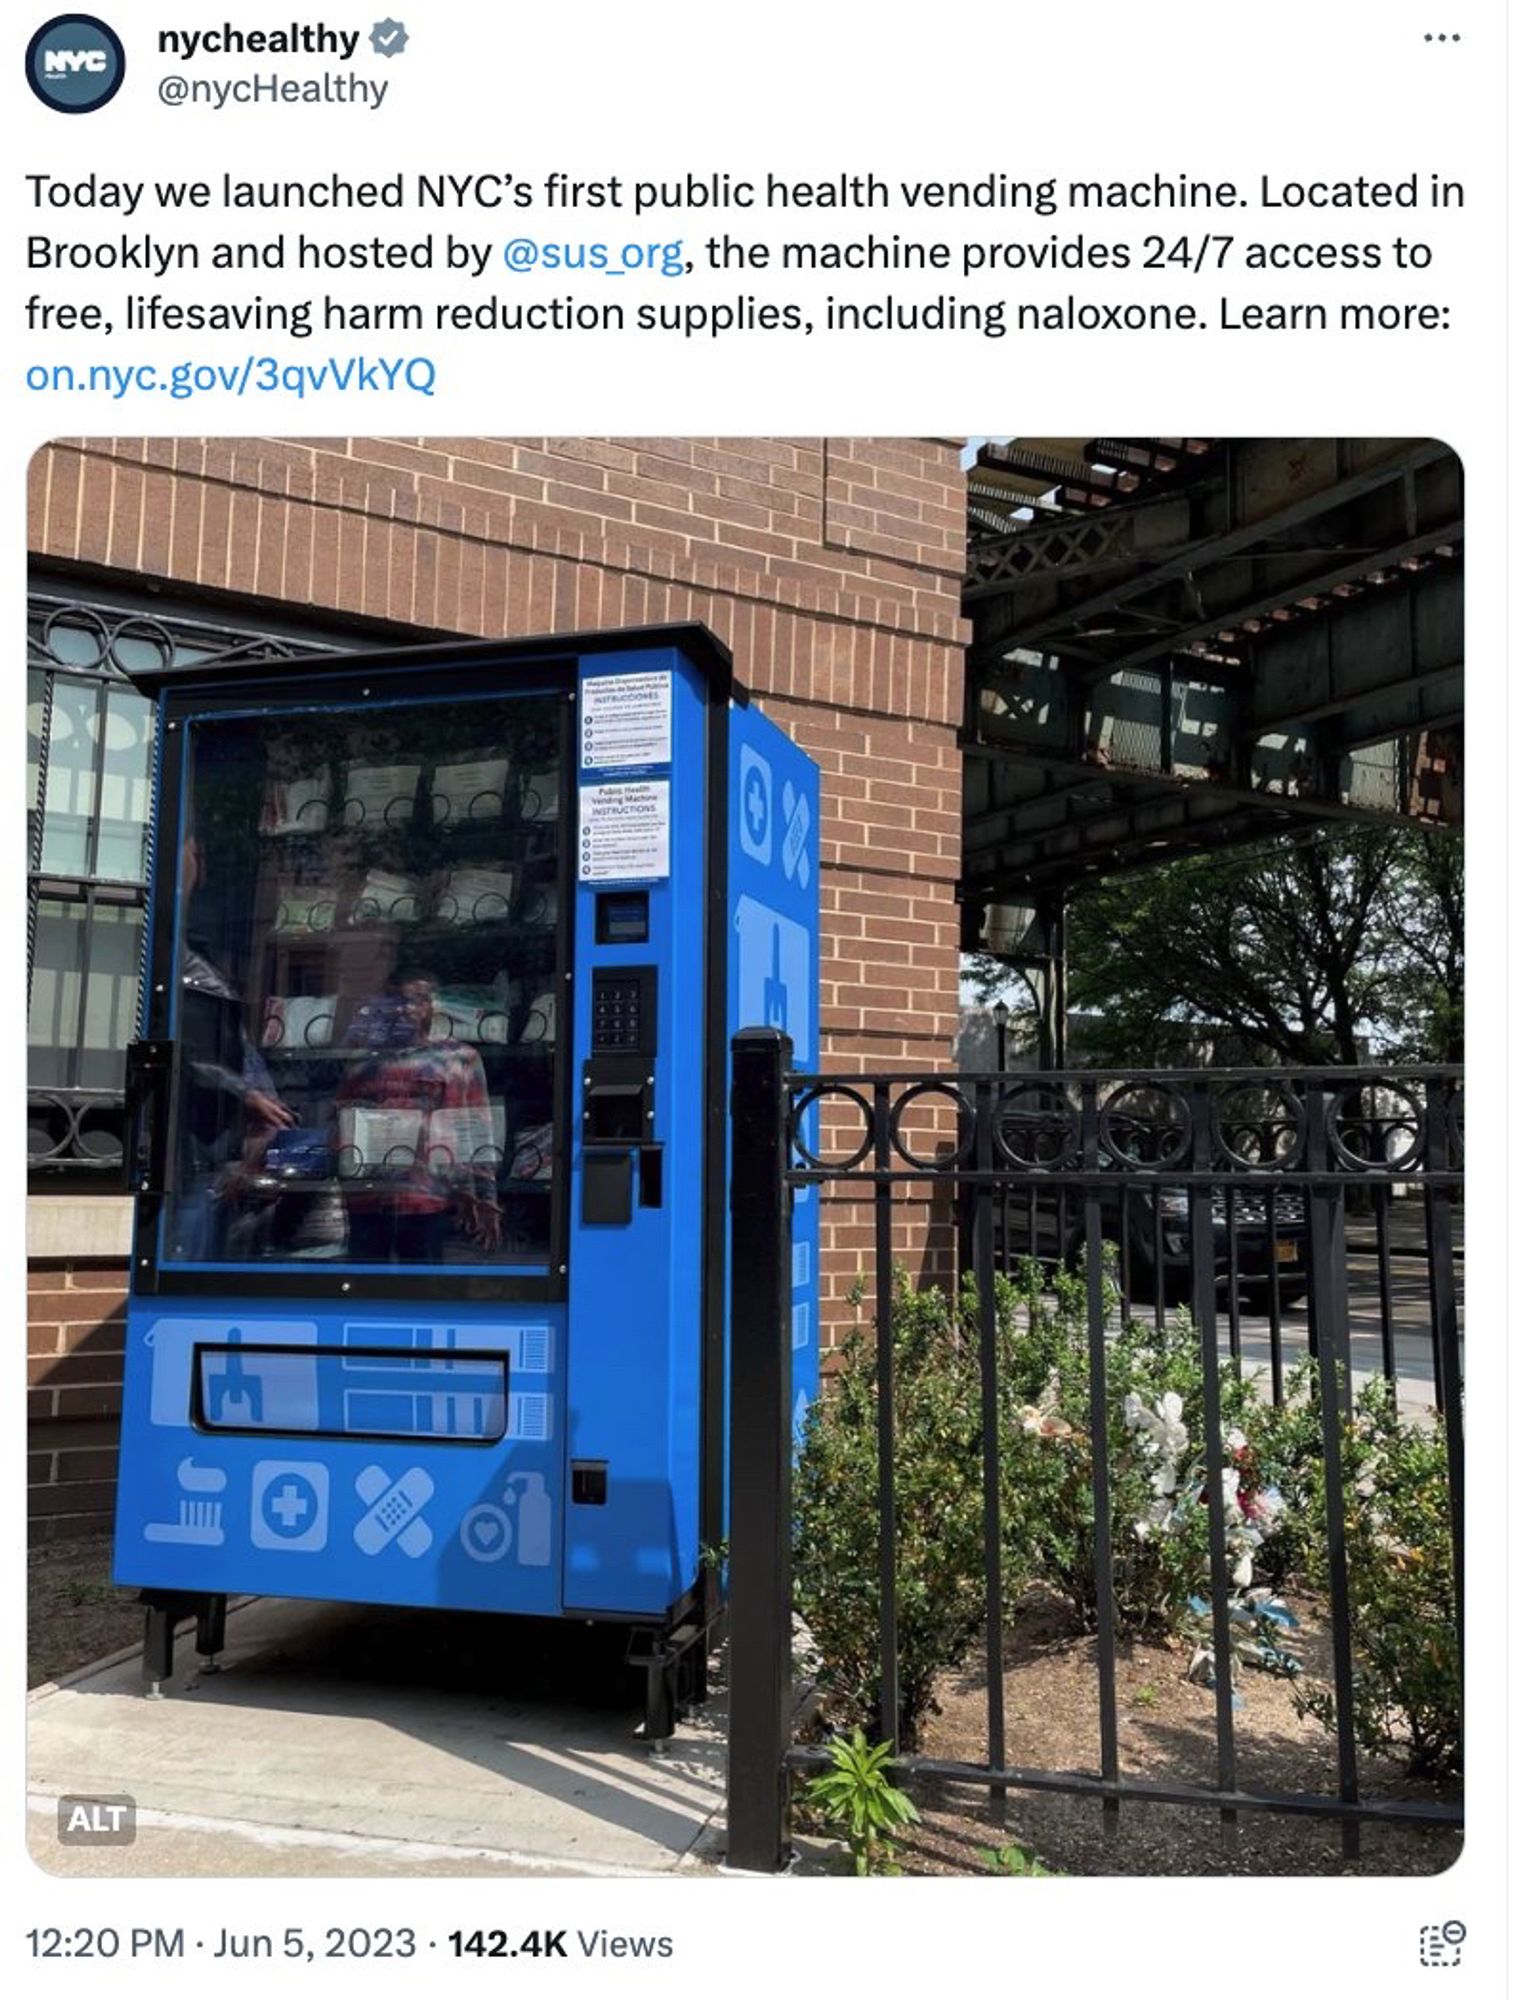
1296,950
1424,915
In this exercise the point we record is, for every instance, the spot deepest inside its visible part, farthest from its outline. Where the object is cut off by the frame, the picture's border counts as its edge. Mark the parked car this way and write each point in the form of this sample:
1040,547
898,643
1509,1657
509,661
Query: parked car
1152,1241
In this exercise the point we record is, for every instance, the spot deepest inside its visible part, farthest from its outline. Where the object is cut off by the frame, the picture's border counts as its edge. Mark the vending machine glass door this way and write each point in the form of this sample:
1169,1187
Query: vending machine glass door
368,974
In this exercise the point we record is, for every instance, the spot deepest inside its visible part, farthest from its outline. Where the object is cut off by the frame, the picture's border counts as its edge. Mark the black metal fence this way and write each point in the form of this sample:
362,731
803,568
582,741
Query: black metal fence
77,1132
1329,1223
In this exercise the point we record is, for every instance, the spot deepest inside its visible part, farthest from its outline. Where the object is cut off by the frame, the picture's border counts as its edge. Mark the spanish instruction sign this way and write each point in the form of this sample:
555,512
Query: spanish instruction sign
623,832
627,721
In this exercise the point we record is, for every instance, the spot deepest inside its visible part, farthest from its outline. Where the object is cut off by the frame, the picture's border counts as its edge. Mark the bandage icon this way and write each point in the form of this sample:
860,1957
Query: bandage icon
394,1510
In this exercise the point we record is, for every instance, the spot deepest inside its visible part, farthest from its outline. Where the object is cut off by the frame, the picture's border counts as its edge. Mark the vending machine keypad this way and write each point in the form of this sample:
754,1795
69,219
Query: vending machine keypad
623,1010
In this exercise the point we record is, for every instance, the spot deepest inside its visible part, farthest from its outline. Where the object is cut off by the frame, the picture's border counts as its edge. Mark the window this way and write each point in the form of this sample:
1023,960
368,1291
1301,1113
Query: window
89,794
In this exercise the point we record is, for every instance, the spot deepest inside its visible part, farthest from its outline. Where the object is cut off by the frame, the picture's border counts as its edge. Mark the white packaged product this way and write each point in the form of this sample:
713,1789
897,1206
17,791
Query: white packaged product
539,794
541,1024
372,1139
303,908
386,899
476,896
380,794
469,1014
465,1137
297,805
296,1021
461,792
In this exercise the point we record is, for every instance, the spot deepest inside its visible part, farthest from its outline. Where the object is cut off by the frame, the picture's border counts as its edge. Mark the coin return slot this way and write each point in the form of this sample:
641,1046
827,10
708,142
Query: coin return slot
591,1477
614,1111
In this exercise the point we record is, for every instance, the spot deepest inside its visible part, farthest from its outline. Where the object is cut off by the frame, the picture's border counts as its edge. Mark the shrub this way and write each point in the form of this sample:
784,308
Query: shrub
940,1589
1406,1685
1407,1697
1286,1437
1159,1500
1159,1506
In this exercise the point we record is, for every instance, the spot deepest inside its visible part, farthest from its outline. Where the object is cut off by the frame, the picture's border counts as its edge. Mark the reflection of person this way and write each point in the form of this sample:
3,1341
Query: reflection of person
430,1155
233,1108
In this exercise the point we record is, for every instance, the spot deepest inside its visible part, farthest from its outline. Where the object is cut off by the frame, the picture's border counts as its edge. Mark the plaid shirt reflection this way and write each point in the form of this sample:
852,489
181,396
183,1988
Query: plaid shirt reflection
455,1150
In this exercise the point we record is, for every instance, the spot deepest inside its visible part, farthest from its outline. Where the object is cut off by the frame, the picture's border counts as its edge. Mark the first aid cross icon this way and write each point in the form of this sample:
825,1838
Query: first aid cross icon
755,792
290,1498
290,1505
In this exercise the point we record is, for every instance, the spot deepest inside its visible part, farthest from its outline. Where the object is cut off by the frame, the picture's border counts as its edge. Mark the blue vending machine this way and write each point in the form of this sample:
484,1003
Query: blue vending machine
429,1286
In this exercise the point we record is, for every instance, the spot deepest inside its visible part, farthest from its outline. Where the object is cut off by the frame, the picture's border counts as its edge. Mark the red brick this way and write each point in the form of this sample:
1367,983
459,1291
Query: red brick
104,1401
76,1497
831,566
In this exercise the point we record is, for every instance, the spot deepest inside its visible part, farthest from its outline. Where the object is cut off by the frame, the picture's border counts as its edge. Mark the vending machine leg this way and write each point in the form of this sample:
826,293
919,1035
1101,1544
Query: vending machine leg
677,1666
662,1676
210,1633
164,1609
694,1675
158,1643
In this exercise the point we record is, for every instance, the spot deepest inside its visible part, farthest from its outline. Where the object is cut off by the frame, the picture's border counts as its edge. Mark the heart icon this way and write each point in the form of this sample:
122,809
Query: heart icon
485,1533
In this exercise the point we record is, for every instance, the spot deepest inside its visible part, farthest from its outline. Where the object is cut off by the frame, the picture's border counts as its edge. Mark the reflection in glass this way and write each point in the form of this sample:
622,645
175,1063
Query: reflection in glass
110,993
366,1025
125,779
89,953
53,1029
70,796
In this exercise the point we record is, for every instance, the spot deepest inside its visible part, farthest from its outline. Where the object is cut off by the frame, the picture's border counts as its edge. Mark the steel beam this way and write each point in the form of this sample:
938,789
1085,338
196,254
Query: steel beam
1243,539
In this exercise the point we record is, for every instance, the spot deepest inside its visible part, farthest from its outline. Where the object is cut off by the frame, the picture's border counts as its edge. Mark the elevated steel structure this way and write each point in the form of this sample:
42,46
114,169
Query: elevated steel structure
1185,643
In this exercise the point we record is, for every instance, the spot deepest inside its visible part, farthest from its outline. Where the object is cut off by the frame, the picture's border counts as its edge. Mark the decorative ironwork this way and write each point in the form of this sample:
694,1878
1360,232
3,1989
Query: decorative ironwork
80,636
75,1130
1141,1125
1191,1187
1076,543
1035,1125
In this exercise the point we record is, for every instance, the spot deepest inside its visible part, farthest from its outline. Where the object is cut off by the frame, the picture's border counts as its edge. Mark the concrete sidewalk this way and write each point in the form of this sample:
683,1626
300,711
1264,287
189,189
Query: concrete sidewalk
355,1741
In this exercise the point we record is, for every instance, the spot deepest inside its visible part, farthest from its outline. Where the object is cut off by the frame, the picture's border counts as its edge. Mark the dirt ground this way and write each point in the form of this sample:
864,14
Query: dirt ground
1167,1730
75,1614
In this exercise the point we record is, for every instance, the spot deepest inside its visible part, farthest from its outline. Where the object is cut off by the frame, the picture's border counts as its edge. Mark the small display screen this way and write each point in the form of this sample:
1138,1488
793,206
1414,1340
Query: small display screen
620,916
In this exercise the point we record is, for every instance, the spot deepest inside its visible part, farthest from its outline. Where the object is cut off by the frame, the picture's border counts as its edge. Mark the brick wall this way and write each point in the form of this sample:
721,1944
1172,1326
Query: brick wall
76,1333
830,566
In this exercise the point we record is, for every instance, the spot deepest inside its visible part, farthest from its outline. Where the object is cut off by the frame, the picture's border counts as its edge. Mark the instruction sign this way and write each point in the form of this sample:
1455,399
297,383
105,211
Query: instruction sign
626,721
623,831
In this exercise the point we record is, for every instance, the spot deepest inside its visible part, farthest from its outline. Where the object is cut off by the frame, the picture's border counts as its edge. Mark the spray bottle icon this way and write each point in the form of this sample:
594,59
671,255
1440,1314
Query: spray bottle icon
533,1518
235,1396
776,991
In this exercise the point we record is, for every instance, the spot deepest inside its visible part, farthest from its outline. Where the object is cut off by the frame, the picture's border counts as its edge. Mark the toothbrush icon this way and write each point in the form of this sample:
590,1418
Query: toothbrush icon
199,1522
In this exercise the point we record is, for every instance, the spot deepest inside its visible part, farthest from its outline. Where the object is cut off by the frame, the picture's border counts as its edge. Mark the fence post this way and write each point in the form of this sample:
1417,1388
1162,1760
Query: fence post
1446,1344
1326,1247
762,1446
